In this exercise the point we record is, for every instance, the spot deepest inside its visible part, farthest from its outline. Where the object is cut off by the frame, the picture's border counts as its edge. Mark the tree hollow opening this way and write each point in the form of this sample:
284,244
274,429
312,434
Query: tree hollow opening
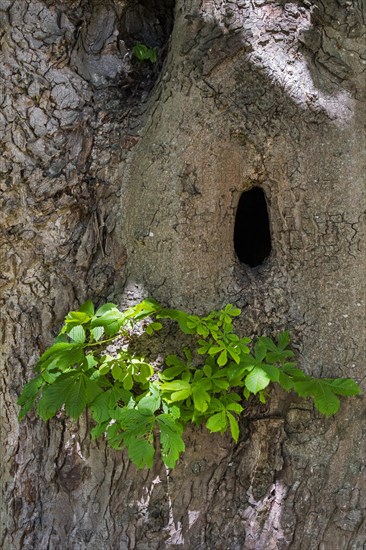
252,235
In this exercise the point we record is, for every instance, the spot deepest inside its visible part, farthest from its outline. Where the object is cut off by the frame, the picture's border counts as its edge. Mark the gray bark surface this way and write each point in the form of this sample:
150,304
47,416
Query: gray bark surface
115,189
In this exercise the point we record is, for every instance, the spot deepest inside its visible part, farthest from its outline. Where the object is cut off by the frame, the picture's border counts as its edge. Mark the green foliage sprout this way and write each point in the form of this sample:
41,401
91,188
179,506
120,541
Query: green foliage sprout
92,365
144,53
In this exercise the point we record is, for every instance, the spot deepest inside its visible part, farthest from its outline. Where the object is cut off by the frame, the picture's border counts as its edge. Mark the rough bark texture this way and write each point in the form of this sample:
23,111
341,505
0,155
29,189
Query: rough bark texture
112,188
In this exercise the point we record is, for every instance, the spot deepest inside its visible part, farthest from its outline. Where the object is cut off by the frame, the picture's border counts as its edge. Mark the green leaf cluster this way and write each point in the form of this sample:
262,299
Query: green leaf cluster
140,407
144,53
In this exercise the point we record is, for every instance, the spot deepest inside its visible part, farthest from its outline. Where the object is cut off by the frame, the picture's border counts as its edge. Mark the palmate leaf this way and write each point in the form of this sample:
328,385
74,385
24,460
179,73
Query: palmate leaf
133,430
172,444
74,390
324,391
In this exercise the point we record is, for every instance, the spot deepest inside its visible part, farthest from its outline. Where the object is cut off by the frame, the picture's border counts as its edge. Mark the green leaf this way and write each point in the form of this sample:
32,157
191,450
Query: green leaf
217,422
53,396
172,372
98,430
181,317
343,386
143,372
201,398
257,380
215,349
100,408
234,427
140,51
90,361
136,429
172,444
77,334
272,372
222,359
326,402
207,370
177,385
61,337
180,395
260,350
57,350
75,397
97,333
173,360
285,381
141,453
88,308
291,370
246,393
220,384
109,317
104,368
283,340
118,393
28,396
77,318
117,372
127,381
268,342
151,402
153,327
306,388
204,347
236,407
234,355
104,308
236,373
279,356
153,55
262,397
92,390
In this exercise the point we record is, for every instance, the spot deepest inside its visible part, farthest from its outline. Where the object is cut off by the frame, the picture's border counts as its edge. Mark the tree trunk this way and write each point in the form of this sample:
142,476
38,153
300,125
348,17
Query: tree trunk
115,188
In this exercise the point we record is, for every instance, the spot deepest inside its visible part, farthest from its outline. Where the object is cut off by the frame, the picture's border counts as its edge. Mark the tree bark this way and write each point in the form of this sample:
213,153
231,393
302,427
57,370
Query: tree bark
115,189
